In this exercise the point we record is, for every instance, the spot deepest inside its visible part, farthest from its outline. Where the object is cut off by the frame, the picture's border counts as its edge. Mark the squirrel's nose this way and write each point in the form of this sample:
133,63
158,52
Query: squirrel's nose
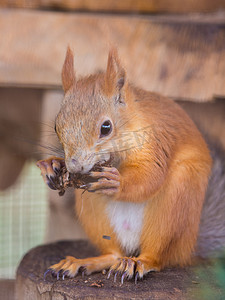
73,166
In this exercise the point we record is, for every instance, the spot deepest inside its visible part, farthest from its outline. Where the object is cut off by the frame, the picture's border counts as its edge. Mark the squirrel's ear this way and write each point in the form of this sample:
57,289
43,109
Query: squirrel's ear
68,73
115,73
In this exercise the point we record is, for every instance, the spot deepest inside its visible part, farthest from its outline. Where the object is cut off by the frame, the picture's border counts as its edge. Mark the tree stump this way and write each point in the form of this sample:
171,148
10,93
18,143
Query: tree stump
174,283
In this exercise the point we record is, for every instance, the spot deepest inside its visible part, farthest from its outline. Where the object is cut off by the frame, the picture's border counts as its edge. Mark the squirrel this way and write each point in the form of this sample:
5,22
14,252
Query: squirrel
142,212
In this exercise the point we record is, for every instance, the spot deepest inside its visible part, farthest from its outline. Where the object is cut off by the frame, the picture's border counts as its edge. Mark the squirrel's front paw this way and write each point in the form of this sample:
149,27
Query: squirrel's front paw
108,181
51,171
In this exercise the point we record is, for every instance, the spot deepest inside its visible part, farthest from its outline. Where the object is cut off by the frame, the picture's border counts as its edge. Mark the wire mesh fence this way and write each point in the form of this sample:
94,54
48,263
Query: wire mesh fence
23,211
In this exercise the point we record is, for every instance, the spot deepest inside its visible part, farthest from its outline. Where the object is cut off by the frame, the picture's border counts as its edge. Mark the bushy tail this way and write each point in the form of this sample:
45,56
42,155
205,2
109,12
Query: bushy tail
211,238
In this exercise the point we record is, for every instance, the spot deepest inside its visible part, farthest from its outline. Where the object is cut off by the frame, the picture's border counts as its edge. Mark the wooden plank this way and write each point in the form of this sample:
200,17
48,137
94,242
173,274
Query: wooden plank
134,6
178,57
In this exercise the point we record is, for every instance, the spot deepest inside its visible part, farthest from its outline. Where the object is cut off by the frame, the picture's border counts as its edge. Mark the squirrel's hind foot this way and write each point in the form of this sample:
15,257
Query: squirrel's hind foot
67,267
130,267
70,266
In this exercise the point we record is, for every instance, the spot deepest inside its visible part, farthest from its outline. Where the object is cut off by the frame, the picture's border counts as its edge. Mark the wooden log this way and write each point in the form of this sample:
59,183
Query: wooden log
134,6
169,284
181,57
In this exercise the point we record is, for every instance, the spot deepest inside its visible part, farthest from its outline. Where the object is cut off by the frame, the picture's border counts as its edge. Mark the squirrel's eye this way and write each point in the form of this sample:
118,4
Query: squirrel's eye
106,128
55,128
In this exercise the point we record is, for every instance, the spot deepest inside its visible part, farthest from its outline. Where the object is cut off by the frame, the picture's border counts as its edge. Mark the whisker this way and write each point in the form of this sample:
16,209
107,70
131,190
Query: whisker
30,154
50,134
46,154
47,130
52,148
123,124
82,200
117,151
48,124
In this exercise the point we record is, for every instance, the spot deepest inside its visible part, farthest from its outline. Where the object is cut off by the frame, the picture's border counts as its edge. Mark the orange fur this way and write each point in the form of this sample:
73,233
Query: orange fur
167,171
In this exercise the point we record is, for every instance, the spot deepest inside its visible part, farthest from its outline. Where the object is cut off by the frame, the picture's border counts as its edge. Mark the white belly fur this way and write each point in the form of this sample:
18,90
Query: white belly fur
126,219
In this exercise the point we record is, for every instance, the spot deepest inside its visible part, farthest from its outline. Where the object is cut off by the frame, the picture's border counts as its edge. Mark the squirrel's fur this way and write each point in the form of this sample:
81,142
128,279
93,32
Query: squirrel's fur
149,203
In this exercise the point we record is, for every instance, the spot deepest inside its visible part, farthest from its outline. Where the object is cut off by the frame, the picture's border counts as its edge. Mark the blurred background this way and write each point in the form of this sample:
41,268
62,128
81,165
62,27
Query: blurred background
176,48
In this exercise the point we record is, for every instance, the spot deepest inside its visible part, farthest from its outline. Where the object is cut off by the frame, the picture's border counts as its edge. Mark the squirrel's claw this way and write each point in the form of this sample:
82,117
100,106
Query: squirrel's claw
58,274
122,277
65,274
50,186
115,276
137,276
109,273
125,267
50,182
46,272
57,165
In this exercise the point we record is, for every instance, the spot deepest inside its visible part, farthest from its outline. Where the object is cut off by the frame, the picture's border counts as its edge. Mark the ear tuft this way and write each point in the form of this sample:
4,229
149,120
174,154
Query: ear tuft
68,73
115,73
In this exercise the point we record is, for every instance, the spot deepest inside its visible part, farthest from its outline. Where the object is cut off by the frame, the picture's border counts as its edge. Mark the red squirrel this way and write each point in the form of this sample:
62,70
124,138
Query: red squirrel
148,203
